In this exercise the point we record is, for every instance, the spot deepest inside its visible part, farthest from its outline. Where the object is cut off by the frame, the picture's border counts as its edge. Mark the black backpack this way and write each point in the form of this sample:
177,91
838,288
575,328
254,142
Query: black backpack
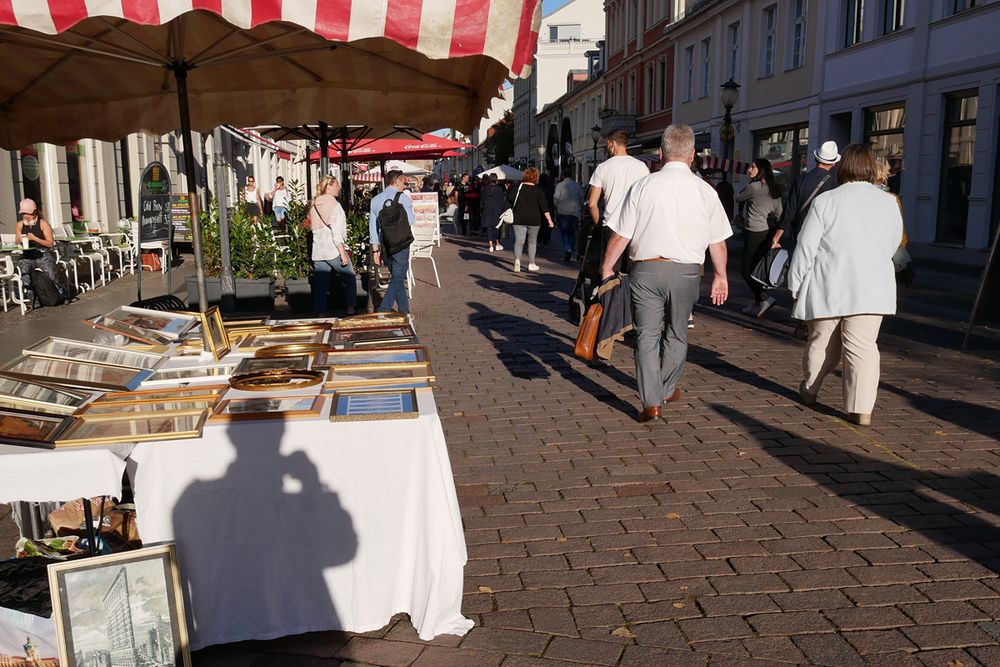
393,226
45,290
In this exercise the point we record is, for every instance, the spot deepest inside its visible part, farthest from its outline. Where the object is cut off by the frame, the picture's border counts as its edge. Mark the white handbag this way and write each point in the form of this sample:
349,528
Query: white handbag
507,217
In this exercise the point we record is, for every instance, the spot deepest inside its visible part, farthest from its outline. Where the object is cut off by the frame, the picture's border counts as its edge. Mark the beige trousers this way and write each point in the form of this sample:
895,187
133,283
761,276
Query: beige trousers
854,339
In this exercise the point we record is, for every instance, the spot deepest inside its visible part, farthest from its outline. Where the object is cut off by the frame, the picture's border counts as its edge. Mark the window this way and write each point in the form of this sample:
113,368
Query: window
854,21
662,101
962,5
733,46
884,133
650,88
892,15
706,65
633,19
797,57
786,149
74,177
688,73
956,166
768,42
631,92
564,33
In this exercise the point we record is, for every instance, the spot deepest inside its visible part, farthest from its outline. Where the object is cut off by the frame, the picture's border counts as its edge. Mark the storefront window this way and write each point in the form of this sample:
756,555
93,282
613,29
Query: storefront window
73,152
956,166
31,174
884,133
786,149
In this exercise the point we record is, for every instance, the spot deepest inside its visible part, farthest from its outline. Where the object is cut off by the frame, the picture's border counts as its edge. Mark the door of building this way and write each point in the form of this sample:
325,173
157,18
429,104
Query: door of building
956,166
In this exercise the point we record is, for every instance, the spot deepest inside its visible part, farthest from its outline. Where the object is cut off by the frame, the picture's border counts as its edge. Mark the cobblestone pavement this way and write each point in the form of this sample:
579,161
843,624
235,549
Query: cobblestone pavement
746,530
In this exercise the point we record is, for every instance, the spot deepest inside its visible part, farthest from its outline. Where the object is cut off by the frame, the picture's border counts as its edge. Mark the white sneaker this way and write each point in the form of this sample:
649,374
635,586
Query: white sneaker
491,248
517,266
532,267
765,306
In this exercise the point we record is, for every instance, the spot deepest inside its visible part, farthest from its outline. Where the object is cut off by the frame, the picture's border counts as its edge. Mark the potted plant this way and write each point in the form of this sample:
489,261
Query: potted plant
253,256
294,262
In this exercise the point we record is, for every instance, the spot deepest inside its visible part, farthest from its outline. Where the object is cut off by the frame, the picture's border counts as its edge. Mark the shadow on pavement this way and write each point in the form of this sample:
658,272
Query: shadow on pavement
918,500
981,419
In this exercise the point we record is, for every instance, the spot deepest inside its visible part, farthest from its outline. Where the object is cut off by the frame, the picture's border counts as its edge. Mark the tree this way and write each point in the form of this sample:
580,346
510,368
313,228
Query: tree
499,145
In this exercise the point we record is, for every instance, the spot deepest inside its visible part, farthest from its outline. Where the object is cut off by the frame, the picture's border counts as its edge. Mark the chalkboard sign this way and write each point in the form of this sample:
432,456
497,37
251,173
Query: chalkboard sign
180,217
154,204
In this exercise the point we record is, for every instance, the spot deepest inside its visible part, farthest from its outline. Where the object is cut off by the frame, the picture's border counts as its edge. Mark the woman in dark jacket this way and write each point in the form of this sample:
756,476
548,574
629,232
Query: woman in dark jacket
531,212
762,210
494,201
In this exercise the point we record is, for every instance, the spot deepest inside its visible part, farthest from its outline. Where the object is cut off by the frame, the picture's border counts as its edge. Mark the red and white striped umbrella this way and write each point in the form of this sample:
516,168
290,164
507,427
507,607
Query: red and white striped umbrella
728,166
104,68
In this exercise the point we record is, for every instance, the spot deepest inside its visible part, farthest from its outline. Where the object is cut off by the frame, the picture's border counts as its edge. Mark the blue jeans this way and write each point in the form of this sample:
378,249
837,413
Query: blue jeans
567,228
396,292
279,213
321,283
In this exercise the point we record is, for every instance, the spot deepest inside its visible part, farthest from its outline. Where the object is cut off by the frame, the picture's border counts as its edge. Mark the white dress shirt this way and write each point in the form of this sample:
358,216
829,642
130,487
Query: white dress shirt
672,214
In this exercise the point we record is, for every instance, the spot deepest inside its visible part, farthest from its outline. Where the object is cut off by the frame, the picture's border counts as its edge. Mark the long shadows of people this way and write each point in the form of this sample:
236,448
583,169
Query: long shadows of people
981,419
253,570
936,506
530,350
542,291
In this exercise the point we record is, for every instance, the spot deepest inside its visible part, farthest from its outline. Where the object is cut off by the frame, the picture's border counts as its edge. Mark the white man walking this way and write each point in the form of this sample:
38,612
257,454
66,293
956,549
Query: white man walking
668,220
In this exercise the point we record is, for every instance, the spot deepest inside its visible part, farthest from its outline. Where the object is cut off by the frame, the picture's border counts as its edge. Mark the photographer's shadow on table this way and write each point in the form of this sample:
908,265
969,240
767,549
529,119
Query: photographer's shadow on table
264,533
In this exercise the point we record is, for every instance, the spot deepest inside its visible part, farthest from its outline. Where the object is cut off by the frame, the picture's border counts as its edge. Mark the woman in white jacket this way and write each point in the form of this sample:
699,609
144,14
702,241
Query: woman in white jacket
843,281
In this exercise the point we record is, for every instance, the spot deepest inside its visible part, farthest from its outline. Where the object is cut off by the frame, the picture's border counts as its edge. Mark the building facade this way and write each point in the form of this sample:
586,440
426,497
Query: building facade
97,181
920,83
565,37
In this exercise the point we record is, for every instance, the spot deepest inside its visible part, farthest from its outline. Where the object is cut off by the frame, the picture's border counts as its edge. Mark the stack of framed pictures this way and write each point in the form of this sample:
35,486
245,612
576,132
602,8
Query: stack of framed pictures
41,397
74,373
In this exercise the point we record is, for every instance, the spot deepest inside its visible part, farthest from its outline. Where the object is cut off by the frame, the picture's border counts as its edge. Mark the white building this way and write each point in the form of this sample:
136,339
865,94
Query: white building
565,37
920,82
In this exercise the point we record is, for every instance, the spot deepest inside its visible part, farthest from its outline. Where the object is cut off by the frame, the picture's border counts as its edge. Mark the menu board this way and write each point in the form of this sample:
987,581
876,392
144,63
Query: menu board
425,209
180,217
154,203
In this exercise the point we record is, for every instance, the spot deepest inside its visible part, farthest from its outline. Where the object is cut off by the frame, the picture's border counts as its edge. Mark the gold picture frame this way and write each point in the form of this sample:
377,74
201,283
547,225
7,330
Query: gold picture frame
42,397
214,334
257,341
349,405
342,377
291,350
379,356
54,347
166,394
269,408
140,409
292,362
165,426
74,373
148,578
31,429
345,336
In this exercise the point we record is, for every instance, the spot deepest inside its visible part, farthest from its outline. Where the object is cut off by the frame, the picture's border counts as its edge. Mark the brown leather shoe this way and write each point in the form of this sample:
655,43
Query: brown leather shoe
676,396
649,414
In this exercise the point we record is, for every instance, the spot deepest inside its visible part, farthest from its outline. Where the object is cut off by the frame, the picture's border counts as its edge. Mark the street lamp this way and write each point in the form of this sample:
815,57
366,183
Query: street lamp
729,96
595,134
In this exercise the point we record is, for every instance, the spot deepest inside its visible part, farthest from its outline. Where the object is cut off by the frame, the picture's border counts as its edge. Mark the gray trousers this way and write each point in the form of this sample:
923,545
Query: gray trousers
663,294
522,232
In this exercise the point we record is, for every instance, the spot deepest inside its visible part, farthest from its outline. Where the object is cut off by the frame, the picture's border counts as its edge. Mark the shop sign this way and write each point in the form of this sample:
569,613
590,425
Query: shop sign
154,203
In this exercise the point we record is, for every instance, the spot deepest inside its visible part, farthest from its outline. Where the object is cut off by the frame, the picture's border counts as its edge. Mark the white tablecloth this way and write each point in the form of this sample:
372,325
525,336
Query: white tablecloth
307,525
39,475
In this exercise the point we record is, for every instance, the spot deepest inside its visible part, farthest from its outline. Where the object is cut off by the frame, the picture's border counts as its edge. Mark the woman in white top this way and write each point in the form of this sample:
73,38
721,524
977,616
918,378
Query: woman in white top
251,195
329,251
843,280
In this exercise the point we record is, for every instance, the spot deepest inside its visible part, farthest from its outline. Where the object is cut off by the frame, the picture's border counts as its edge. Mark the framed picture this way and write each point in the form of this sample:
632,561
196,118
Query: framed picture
42,397
389,355
283,407
302,320
373,376
92,353
157,395
168,426
145,336
32,429
126,608
141,409
167,323
170,377
253,341
370,320
380,342
75,373
344,336
374,404
256,364
213,333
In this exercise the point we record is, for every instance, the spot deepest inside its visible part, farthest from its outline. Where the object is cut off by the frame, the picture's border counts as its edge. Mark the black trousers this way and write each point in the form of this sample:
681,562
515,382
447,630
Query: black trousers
755,246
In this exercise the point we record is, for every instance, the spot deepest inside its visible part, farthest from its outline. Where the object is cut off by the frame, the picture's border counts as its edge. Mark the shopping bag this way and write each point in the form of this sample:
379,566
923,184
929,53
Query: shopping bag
586,340
772,269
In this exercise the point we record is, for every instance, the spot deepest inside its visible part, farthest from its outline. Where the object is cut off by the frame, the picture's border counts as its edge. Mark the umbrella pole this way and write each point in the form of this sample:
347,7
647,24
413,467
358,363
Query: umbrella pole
180,73
324,159
345,169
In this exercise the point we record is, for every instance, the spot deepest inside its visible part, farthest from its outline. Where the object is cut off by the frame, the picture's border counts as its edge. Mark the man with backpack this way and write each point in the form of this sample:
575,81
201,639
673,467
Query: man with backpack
389,219
817,180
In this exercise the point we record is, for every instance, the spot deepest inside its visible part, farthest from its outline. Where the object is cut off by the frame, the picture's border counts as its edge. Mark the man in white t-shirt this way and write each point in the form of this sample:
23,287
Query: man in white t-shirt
613,177
667,221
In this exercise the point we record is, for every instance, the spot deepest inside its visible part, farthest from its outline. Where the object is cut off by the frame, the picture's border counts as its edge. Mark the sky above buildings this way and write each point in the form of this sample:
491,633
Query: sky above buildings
549,6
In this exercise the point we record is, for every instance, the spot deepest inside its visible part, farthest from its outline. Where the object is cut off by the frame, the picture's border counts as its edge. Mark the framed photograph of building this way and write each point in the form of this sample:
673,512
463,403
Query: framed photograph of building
122,609
214,335
75,373
92,353
374,405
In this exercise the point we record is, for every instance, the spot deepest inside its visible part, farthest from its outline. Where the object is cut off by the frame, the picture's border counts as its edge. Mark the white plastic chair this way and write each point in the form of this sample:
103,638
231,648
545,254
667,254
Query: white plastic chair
10,276
117,246
92,253
7,239
421,248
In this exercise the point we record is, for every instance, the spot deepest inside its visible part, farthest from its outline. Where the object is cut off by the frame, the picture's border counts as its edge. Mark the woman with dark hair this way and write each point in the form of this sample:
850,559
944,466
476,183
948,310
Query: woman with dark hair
531,212
762,211
494,201
843,280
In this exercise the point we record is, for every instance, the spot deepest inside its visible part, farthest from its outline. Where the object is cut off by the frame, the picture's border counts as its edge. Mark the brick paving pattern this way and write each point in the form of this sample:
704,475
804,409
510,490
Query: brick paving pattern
747,530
